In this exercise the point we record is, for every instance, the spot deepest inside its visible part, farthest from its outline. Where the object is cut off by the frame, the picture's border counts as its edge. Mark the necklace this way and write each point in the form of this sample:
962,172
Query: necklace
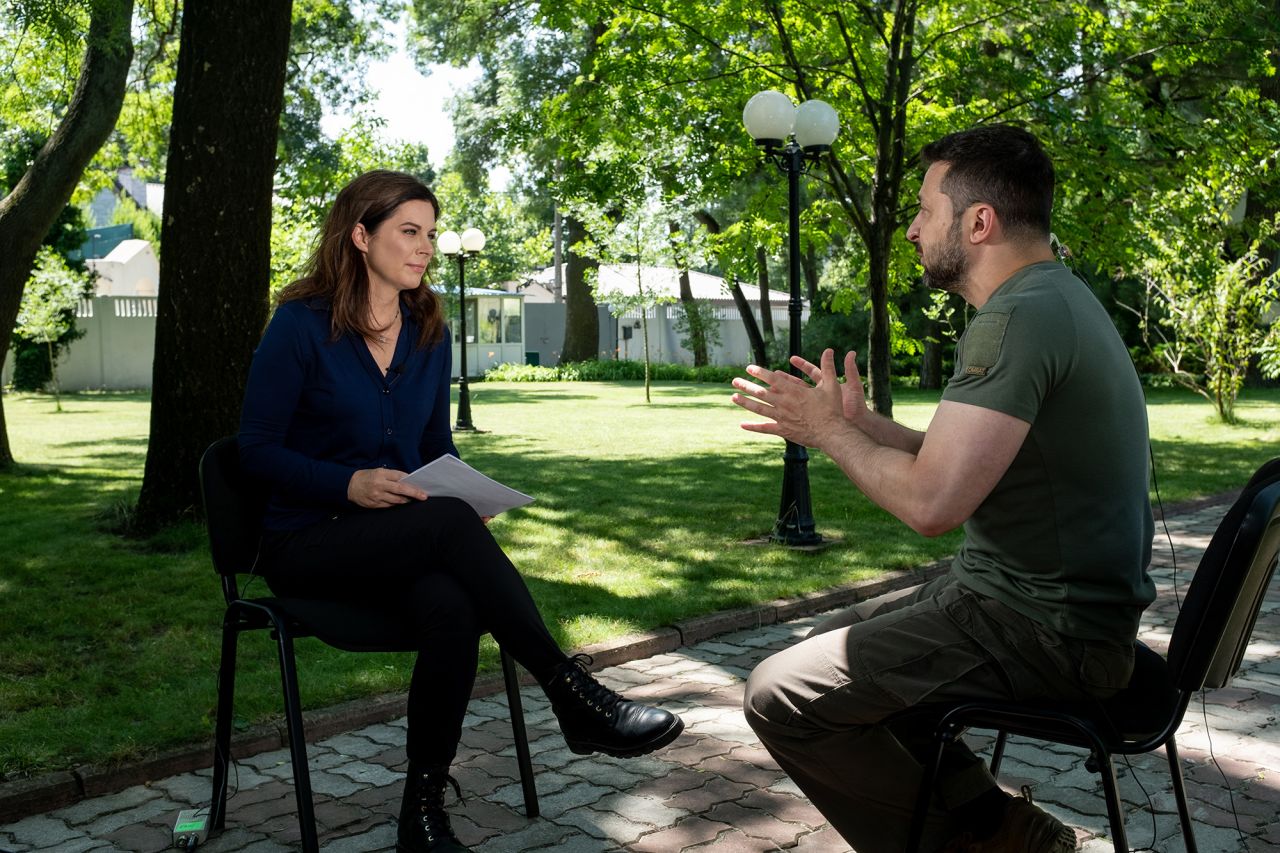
380,337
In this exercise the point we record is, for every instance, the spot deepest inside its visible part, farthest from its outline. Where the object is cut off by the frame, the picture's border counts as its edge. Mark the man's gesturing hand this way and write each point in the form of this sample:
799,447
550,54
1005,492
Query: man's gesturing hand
799,412
855,398
374,488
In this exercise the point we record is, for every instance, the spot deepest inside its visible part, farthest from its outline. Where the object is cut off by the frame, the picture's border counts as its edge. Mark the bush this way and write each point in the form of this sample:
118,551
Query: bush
46,321
610,371
1158,380
522,373
31,369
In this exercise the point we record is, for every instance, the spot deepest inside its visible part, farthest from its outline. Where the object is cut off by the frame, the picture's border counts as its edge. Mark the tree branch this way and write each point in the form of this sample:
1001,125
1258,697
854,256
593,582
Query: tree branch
869,103
959,28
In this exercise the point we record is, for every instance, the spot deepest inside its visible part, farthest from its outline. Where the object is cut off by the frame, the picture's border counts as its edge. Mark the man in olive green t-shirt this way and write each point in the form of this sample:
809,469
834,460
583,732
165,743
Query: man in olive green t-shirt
1064,537
1039,449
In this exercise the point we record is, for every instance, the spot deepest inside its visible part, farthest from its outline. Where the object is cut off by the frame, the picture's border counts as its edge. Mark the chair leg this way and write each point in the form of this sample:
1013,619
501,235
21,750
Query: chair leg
944,735
297,742
1115,808
222,728
997,753
516,709
1180,794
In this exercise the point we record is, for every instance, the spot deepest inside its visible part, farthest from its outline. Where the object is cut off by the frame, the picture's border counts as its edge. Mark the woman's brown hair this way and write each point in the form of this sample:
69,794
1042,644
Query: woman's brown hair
336,270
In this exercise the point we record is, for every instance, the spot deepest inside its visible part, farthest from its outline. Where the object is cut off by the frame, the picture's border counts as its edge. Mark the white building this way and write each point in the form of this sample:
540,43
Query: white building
624,338
130,269
495,331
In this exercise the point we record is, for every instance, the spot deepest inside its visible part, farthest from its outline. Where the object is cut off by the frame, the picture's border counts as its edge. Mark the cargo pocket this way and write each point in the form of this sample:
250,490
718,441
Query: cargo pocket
1105,668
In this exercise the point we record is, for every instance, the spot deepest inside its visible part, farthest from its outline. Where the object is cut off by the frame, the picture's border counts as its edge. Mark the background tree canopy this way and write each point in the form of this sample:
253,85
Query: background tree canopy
1162,120
1132,99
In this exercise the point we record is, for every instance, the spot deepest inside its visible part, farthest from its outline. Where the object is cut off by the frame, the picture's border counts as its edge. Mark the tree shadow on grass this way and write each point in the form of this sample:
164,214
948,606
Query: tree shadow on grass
685,518
124,440
119,454
479,393
1213,468
659,405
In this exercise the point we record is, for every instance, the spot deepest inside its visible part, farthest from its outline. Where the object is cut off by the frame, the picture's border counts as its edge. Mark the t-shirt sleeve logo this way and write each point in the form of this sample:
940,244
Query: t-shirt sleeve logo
982,342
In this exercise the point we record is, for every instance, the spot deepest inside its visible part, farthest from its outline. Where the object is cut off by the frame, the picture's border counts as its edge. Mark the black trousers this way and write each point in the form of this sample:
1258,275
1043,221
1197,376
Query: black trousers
436,561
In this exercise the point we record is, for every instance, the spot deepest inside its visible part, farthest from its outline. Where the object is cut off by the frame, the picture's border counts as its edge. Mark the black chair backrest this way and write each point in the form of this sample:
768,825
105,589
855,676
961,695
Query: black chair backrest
233,509
1221,606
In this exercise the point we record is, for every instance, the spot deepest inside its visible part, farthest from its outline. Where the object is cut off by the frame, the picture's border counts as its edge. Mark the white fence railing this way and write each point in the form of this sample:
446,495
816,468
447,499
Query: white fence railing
116,351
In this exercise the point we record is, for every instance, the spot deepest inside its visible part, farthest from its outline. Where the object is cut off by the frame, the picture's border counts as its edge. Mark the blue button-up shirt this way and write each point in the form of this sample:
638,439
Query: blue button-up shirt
317,410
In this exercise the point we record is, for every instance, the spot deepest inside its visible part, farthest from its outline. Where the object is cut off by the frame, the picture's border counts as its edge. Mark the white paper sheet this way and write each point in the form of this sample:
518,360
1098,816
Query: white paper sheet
450,477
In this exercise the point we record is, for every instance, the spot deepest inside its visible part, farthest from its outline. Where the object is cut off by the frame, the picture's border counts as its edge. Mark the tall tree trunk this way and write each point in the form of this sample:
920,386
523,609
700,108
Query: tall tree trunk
216,235
875,225
692,313
27,213
931,358
581,319
557,254
879,362
809,264
759,352
883,221
762,282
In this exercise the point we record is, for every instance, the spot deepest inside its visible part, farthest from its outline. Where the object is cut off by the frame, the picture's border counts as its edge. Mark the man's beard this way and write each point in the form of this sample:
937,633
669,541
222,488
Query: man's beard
949,269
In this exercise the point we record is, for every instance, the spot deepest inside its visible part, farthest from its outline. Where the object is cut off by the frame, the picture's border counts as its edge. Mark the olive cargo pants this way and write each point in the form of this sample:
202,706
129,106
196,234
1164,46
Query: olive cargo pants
825,707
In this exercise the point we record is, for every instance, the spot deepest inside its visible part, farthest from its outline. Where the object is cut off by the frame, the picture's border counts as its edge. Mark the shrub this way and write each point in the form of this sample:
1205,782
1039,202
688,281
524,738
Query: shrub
46,321
610,371
522,373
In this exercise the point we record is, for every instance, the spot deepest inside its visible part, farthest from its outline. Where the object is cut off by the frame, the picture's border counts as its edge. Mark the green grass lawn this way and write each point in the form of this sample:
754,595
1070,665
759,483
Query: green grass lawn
108,646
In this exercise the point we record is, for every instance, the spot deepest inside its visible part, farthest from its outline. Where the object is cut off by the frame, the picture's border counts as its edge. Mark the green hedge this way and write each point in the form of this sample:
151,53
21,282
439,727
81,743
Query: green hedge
610,371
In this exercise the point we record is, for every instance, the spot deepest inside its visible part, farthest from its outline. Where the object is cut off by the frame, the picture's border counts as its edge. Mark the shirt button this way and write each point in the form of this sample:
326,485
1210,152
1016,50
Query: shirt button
388,430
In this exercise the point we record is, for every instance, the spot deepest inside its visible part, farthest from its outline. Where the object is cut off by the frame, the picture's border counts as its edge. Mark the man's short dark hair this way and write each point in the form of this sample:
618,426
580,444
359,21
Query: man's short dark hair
999,165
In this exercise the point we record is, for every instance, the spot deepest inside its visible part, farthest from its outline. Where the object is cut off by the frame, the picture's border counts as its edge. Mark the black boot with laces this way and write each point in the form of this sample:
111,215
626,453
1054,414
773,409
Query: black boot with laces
424,824
593,718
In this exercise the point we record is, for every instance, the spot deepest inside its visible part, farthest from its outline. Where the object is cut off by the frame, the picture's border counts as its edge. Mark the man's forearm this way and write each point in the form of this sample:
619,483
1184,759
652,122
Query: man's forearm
882,470
890,433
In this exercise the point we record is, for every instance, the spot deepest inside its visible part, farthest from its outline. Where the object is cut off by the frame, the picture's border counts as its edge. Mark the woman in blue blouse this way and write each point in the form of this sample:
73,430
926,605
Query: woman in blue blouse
348,391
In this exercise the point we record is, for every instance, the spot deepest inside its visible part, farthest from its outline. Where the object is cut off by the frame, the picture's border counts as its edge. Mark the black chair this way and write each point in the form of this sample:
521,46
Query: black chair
234,509
1205,651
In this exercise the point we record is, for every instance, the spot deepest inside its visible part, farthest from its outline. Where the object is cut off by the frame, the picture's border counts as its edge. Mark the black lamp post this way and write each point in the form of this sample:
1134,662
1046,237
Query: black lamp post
462,247
793,138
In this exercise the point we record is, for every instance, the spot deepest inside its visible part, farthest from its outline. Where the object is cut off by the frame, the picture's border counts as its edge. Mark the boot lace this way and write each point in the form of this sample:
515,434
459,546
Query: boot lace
598,697
435,820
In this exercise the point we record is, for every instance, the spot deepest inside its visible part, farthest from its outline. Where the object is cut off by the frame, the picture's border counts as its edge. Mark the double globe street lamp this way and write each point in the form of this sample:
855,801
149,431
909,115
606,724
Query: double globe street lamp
793,139
462,247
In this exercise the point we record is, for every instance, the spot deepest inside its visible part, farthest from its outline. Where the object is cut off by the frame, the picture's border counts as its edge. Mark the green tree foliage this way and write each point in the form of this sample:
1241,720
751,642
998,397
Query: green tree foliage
1120,92
78,123
516,243
635,235
47,316
529,58
330,44
146,225
1208,314
697,324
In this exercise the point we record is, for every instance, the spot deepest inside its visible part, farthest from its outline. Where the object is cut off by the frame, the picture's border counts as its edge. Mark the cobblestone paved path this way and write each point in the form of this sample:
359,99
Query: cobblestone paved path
715,789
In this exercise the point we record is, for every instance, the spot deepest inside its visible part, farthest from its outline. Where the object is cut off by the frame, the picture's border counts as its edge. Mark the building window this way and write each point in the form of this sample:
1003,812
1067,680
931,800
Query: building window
512,318
490,320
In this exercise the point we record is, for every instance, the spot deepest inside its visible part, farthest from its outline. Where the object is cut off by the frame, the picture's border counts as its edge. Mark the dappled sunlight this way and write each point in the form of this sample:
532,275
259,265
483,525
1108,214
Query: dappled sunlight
640,520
